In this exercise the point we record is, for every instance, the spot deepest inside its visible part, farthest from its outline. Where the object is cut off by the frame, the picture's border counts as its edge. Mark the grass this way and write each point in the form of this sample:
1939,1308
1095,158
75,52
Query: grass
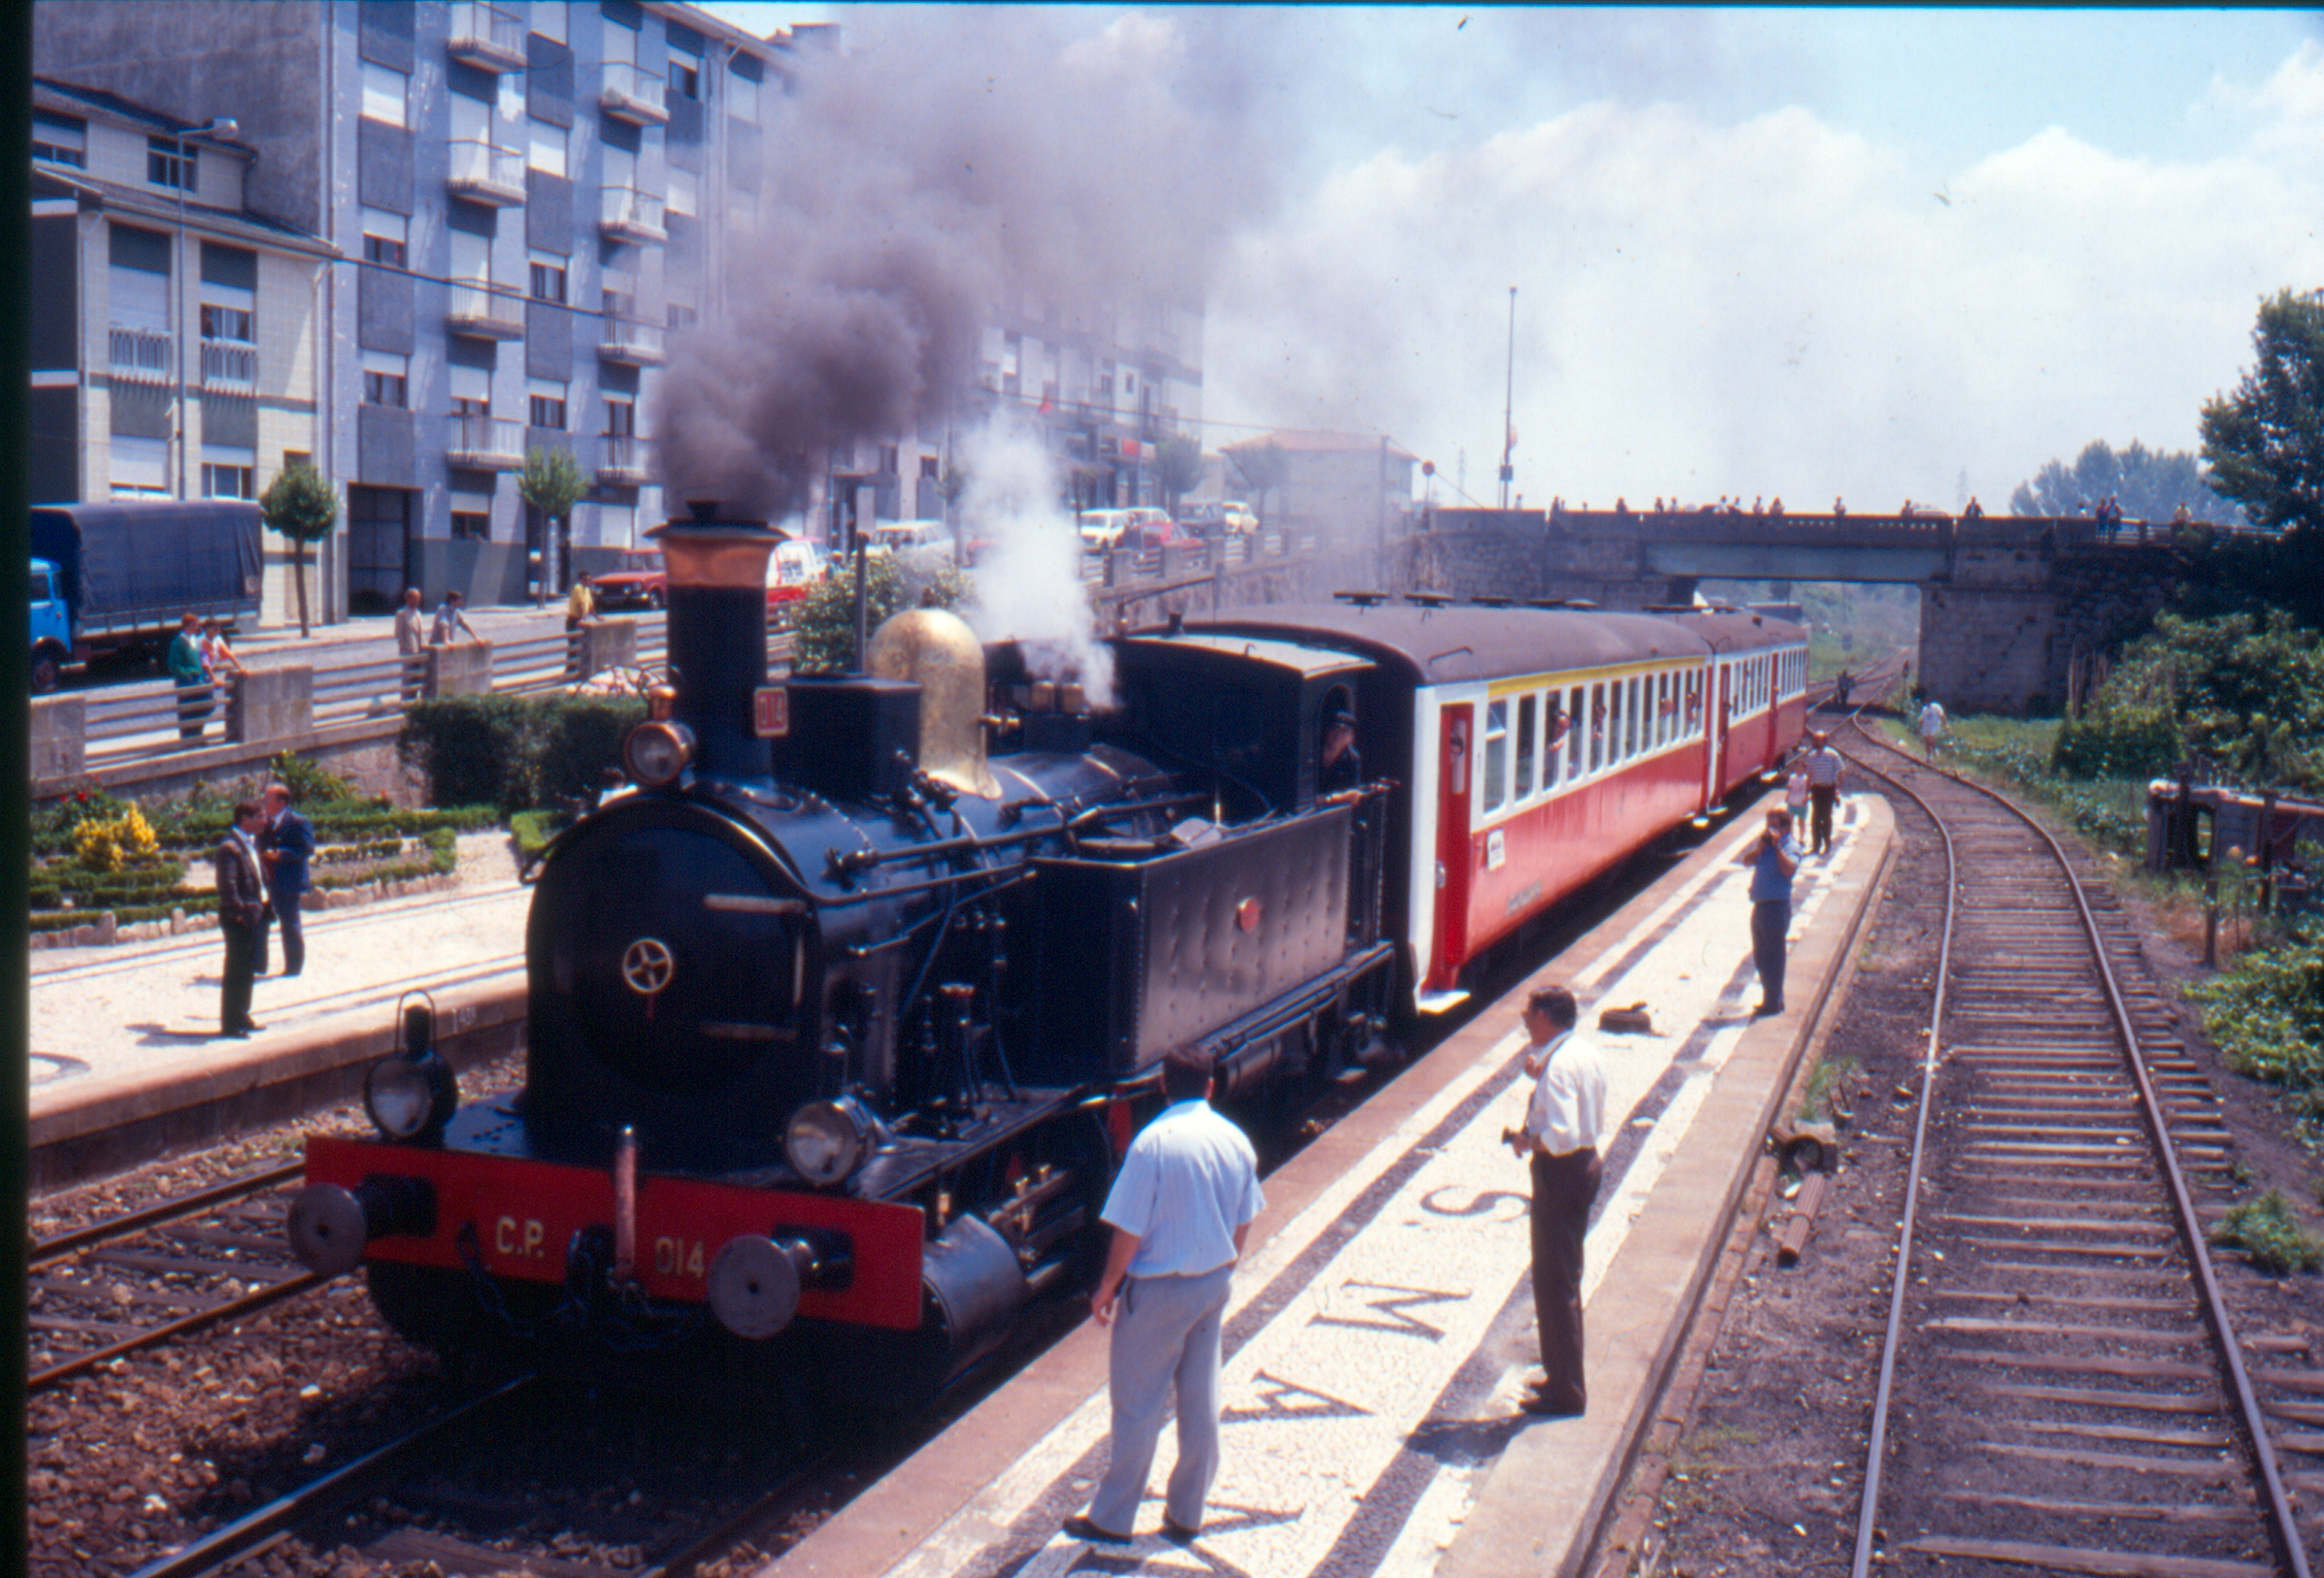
1829,1075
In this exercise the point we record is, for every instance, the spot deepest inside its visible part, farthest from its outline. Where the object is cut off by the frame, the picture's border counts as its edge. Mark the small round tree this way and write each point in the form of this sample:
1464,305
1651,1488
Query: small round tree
301,505
552,485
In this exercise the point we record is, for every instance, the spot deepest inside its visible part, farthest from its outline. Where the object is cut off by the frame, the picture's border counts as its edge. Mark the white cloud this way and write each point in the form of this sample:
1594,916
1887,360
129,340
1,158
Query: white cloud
1771,305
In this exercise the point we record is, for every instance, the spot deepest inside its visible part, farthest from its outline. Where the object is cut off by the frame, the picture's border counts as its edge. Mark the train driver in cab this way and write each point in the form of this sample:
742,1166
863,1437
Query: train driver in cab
1343,766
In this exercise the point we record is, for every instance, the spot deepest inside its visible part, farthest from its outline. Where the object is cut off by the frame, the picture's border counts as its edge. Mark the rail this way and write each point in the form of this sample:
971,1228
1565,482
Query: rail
1912,1277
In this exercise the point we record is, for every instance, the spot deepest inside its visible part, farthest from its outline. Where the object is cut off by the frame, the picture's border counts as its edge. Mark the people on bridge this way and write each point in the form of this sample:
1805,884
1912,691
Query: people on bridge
1840,505
1777,508
1975,510
2181,516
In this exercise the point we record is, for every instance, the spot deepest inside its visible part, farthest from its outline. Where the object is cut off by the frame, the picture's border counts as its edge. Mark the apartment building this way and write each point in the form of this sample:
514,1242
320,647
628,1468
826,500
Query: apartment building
175,332
514,205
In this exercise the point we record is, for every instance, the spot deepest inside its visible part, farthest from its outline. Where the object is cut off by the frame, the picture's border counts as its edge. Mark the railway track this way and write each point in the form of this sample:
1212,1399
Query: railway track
2062,1387
150,1275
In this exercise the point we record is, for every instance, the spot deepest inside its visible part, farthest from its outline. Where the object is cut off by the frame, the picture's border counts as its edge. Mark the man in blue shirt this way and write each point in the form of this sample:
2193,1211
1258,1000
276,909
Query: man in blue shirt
287,844
1773,857
1181,1209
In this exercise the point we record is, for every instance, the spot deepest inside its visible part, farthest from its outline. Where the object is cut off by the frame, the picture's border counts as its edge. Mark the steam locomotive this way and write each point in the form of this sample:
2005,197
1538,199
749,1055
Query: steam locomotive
840,1016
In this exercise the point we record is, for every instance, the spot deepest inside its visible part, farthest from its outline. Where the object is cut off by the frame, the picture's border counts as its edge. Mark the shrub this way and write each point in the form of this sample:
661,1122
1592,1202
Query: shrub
2266,1229
515,752
2131,742
312,784
108,845
2266,1015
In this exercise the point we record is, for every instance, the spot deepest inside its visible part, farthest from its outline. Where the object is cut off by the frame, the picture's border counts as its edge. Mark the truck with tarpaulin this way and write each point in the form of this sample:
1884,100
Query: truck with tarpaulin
114,577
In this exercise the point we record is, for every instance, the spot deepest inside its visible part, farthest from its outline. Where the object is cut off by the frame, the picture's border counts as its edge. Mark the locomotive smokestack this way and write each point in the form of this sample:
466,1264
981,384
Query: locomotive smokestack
716,598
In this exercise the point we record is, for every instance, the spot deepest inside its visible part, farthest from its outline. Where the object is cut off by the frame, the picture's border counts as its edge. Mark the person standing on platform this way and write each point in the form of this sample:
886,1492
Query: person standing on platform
1181,1211
1826,767
192,678
449,621
1565,1125
286,846
240,917
1931,726
1795,787
1773,857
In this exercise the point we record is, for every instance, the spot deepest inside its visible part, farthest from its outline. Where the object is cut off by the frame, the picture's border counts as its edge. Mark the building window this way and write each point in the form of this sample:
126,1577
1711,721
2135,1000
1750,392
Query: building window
387,95
685,74
61,140
548,19
621,416
163,167
549,279
548,404
741,97
225,481
547,149
226,323
386,379
470,525
384,236
684,194
682,316
464,406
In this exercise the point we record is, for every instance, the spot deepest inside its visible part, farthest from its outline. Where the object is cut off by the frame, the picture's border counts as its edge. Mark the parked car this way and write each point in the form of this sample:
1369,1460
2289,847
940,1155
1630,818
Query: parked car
1103,530
638,584
1218,517
919,544
792,571
1157,534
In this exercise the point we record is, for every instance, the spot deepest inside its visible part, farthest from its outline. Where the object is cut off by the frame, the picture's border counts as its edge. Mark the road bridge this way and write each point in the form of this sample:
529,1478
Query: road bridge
2006,601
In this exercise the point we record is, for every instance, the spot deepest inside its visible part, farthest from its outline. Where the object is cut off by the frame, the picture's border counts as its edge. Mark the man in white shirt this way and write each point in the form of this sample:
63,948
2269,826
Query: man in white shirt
1565,1125
1932,724
1826,767
1181,1209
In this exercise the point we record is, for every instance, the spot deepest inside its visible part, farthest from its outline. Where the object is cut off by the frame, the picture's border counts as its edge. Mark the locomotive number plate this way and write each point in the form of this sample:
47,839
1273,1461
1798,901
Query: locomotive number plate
770,711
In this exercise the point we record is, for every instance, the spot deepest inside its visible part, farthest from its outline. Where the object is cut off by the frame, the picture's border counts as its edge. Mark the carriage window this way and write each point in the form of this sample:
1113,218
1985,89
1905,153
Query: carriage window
1661,709
1496,754
1525,710
1638,716
1596,727
1572,725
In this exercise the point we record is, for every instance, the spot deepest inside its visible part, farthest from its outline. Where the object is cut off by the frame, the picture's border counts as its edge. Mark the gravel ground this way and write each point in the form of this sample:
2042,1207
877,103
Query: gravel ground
1767,1473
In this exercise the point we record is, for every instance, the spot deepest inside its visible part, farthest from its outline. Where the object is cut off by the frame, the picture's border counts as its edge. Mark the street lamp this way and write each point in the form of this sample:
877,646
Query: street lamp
217,126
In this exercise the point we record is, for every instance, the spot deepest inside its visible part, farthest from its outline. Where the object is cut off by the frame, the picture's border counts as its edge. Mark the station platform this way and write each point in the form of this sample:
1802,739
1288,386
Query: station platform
127,1063
1382,1325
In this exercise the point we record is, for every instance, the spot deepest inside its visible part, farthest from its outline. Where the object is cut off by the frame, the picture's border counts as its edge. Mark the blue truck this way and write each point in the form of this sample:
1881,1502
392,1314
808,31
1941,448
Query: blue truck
117,576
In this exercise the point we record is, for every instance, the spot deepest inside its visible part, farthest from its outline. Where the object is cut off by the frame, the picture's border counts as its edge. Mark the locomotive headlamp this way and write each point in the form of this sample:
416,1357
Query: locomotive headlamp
656,752
828,1141
411,1097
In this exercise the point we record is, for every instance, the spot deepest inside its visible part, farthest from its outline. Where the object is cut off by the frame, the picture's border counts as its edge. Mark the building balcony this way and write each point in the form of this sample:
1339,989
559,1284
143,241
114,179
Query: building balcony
486,443
623,460
629,341
143,355
484,311
484,172
633,94
230,366
489,38
627,213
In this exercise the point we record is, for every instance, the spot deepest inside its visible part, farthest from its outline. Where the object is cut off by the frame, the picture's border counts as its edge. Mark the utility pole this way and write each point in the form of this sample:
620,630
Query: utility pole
1508,401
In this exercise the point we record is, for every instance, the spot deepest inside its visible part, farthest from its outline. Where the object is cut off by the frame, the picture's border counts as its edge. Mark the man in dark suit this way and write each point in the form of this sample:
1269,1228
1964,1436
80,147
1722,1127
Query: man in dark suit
286,846
241,916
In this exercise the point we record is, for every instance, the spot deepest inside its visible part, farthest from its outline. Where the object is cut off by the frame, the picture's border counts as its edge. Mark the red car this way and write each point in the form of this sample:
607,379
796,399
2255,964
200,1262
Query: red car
636,585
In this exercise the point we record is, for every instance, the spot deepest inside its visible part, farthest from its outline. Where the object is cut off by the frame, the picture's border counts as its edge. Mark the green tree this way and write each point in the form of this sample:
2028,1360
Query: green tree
2264,443
2246,693
824,638
1179,468
552,485
301,505
2151,484
1264,467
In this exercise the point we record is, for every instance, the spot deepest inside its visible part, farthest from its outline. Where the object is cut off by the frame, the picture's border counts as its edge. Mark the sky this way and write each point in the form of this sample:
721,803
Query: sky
1879,254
